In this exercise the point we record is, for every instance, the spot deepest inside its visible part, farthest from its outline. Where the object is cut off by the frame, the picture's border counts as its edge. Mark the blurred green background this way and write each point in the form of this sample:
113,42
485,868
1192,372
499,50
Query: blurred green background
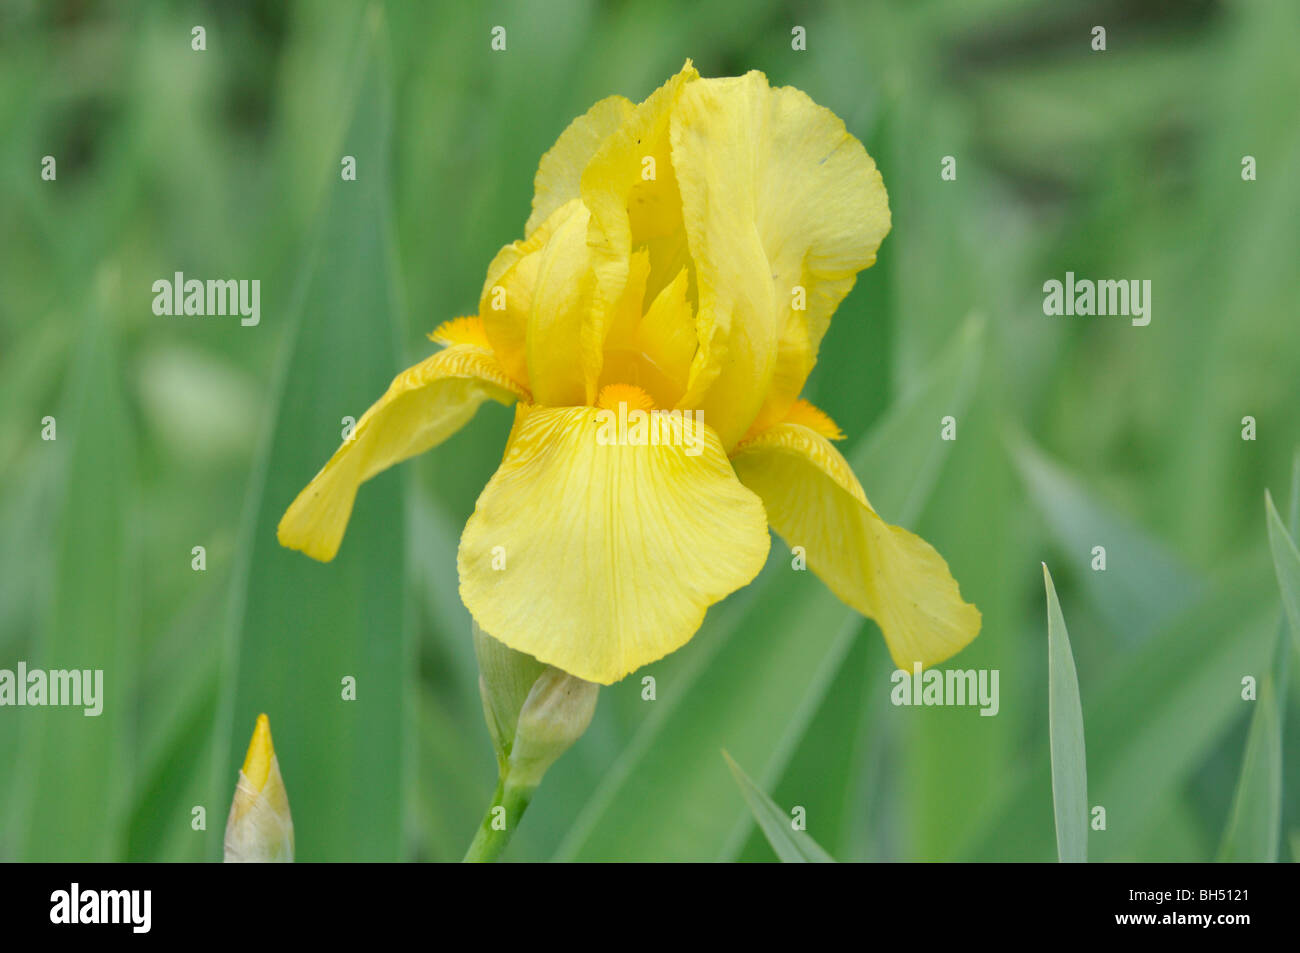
1072,432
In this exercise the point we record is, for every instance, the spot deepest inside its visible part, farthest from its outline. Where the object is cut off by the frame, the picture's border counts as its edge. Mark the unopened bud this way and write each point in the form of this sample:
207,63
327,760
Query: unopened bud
555,715
505,679
534,712
260,829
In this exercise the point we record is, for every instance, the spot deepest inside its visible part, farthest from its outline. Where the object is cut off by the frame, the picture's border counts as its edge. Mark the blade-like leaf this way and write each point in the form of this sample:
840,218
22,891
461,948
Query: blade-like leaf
1255,820
171,782
1065,725
301,628
1154,720
1144,586
1286,563
840,748
86,629
792,846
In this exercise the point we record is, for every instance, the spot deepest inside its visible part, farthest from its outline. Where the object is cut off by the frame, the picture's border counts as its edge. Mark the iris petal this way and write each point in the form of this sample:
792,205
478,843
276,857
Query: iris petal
564,346
508,291
813,500
560,170
423,406
782,207
630,188
600,556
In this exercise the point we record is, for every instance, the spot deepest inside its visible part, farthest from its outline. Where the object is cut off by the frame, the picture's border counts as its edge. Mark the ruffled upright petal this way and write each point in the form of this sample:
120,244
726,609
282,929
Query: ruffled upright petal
653,350
564,346
560,171
508,291
782,207
631,191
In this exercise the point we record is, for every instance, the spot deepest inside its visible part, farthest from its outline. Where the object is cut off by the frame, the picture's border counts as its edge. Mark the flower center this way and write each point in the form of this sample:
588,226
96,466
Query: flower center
611,395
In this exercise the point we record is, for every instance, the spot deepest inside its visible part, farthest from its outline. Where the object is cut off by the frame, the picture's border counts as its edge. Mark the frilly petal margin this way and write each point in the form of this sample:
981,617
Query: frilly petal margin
813,500
423,406
599,556
629,209
782,208
508,291
563,354
560,171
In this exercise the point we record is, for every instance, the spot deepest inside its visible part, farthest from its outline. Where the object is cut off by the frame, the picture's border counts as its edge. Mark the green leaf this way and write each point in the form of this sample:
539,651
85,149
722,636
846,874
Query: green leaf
1144,585
86,628
753,678
159,827
841,749
1065,726
1286,563
1157,716
449,797
900,461
300,628
178,695
791,846
1255,819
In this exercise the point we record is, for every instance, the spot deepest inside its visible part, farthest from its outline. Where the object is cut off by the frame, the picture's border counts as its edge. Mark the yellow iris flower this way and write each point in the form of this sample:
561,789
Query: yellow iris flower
685,253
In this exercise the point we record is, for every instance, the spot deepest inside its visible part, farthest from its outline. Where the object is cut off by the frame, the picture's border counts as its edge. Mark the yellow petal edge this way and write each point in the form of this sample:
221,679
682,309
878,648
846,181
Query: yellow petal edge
893,576
600,557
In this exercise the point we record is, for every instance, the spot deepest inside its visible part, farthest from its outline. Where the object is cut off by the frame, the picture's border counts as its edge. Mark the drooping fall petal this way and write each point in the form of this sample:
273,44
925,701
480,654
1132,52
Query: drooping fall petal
423,406
813,500
607,553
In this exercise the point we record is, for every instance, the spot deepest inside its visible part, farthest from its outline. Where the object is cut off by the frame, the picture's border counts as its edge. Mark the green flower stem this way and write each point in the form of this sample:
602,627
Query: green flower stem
534,713
490,842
